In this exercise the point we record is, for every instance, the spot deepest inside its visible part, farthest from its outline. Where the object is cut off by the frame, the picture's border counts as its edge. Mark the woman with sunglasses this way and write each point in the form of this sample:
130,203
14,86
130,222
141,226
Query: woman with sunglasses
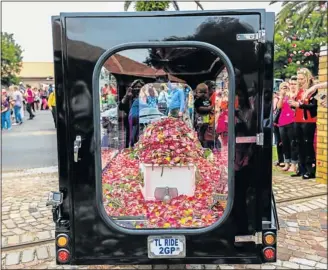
305,124
286,127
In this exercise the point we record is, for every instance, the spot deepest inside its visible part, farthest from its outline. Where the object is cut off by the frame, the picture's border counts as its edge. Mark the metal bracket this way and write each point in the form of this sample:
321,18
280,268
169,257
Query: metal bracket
55,199
259,139
257,238
259,36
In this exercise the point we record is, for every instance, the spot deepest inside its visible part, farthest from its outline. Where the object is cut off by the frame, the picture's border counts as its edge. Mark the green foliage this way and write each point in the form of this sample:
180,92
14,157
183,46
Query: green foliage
152,5
297,46
302,8
11,59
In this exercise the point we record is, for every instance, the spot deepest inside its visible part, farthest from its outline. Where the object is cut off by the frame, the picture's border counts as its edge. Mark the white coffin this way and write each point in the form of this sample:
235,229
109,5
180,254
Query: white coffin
181,177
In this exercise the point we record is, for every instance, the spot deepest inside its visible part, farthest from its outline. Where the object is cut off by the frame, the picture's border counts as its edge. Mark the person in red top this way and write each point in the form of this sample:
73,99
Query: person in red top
30,101
113,90
105,90
305,124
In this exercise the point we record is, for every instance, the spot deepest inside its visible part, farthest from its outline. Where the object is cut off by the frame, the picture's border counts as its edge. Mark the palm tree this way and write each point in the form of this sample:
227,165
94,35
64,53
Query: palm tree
304,8
155,5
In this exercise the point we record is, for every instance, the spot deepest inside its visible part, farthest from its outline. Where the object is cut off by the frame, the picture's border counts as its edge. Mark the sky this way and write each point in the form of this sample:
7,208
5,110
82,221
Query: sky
30,22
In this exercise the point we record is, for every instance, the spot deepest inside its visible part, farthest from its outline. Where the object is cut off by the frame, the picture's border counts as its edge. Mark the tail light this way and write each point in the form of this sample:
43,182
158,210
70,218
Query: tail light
269,238
62,240
63,256
269,253
269,243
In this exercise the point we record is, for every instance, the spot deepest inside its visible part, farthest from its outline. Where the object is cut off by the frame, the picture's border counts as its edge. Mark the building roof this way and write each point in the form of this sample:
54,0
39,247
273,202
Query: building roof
37,70
119,64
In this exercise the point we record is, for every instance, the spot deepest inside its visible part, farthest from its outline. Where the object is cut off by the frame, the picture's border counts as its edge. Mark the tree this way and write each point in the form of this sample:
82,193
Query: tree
302,8
11,59
152,5
297,46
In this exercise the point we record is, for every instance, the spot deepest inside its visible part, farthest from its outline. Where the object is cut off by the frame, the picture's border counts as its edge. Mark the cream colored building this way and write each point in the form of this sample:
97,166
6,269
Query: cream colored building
36,73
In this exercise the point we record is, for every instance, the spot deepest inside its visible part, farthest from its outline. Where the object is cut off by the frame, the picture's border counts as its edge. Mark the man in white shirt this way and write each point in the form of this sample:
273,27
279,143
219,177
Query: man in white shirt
18,104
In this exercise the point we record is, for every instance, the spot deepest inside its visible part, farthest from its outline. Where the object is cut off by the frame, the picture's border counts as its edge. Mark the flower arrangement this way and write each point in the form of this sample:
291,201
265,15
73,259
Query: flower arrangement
168,142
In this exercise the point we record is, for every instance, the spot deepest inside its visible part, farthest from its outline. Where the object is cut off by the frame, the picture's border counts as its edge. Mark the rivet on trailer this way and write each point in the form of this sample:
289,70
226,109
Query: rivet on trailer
164,138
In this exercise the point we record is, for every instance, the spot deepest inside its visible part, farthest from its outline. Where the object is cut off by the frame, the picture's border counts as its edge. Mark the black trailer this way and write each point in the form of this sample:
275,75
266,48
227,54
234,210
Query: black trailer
194,46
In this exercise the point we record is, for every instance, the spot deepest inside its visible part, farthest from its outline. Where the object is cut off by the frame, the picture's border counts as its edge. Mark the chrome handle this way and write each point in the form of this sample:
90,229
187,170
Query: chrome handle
77,146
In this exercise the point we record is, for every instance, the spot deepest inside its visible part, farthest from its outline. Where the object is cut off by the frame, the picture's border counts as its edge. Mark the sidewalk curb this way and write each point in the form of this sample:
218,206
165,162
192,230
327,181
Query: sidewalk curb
46,170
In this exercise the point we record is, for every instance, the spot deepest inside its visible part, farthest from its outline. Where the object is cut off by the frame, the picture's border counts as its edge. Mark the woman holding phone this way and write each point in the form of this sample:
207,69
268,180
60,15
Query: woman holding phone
305,124
286,127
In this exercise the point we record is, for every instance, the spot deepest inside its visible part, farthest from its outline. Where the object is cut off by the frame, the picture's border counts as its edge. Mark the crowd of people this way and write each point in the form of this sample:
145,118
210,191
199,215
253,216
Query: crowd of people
295,115
17,100
205,108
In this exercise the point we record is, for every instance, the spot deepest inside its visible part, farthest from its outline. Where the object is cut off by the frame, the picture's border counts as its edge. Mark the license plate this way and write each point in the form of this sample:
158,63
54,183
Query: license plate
167,246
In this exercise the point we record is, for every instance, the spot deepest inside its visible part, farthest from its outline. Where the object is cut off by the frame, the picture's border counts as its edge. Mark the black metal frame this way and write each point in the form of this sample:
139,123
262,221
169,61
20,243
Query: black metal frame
96,117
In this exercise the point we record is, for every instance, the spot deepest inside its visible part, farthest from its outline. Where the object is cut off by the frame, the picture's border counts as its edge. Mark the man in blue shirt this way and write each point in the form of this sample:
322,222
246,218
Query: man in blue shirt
50,89
177,102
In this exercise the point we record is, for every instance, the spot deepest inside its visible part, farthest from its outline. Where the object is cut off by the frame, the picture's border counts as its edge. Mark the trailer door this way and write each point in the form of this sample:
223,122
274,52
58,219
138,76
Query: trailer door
124,206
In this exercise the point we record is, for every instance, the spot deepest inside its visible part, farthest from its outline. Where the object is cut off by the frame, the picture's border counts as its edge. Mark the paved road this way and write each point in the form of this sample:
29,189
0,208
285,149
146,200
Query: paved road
30,145
302,239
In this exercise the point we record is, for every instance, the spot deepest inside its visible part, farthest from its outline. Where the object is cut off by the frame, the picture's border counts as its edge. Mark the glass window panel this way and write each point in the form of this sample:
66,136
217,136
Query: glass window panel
164,137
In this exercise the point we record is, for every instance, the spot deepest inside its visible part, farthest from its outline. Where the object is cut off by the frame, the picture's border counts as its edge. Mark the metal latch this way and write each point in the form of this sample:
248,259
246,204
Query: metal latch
55,199
165,194
259,138
259,36
257,238
77,146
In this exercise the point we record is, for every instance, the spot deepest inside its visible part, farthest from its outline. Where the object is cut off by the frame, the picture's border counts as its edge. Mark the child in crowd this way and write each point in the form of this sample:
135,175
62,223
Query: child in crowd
203,110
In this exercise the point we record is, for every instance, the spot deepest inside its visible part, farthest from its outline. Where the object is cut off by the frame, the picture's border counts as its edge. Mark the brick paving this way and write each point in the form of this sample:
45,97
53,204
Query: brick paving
290,188
302,239
25,217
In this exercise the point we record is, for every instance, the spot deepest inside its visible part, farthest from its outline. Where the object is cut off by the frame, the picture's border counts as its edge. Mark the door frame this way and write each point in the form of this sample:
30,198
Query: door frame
97,136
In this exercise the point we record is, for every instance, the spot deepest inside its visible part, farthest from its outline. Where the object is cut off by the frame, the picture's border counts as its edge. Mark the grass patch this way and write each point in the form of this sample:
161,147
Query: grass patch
274,153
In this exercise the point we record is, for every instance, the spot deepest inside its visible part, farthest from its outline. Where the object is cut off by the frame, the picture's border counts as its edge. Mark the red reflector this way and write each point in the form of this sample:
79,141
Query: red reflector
269,253
63,255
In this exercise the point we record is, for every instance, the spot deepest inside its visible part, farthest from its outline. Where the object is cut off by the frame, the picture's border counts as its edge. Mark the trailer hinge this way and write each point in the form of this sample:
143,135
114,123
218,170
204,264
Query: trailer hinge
257,238
259,139
259,36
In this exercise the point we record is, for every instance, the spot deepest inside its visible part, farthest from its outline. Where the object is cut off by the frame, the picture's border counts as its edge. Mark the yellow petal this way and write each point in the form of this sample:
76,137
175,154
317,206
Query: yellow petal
167,225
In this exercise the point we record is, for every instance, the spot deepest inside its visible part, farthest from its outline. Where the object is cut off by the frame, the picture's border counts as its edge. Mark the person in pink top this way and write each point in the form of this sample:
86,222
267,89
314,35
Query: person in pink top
286,127
30,101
